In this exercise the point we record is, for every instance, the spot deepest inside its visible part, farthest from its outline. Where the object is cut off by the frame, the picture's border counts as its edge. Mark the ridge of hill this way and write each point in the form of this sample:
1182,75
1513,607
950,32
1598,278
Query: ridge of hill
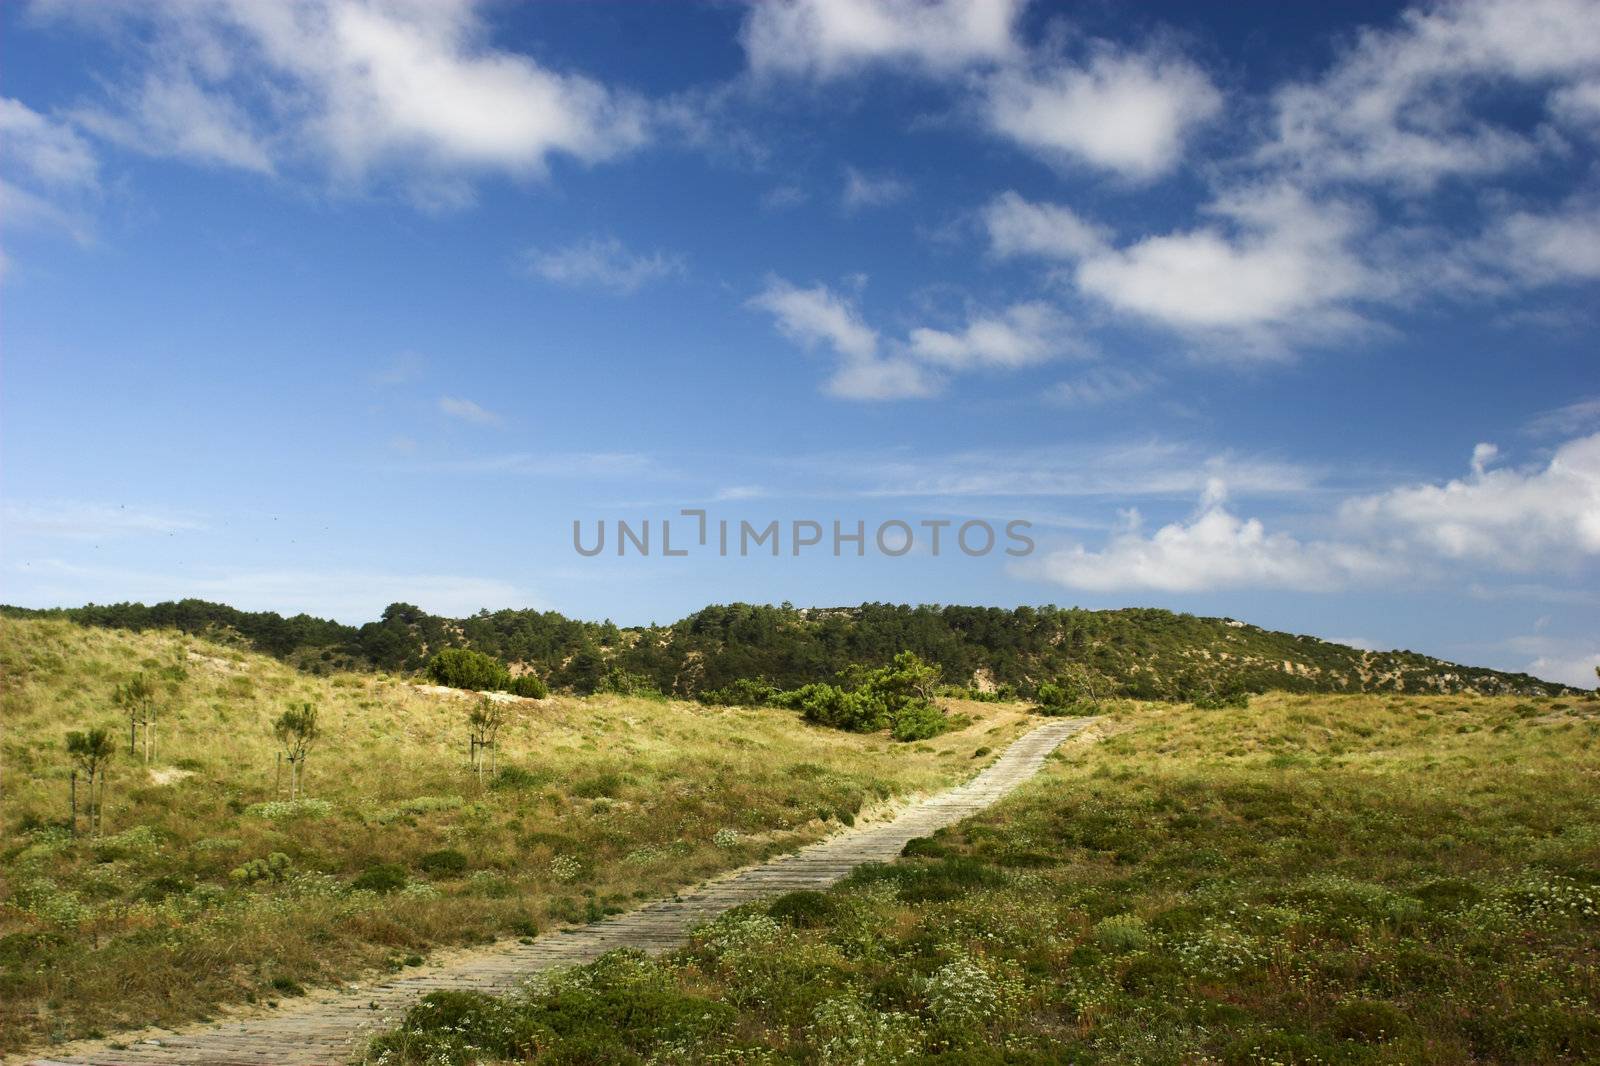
1138,652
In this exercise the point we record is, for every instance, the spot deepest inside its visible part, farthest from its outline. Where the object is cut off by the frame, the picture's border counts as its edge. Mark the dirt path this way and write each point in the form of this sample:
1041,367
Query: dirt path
333,1027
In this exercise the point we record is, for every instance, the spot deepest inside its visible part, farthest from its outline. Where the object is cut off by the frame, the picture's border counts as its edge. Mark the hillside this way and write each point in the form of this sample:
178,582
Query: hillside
1136,652
1337,880
207,886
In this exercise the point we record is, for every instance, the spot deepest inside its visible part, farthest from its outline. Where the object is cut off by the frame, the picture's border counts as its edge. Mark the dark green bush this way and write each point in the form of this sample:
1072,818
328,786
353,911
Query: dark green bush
742,692
385,877
461,1027
465,668
919,720
446,862
529,686
1369,1021
803,910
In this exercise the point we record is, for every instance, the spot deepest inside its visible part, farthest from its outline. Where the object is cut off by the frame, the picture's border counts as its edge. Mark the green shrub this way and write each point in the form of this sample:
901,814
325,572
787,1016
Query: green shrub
465,668
1369,1021
529,686
803,910
274,867
599,786
385,877
515,777
1121,932
919,720
446,862
742,692
453,1027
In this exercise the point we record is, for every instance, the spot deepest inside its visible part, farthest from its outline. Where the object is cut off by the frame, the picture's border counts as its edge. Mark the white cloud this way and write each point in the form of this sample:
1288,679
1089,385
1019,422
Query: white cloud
1512,519
1577,670
882,379
1285,266
79,520
1051,231
169,114
52,174
1551,247
50,153
412,88
1101,385
784,197
1214,549
1570,418
1127,113
351,596
1399,104
828,38
467,411
1121,470
865,190
818,316
1023,334
1578,105
602,263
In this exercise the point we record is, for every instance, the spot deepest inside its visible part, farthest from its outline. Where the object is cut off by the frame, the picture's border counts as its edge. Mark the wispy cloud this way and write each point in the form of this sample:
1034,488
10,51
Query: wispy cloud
351,596
602,263
467,411
79,520
556,464
400,370
1561,421
867,190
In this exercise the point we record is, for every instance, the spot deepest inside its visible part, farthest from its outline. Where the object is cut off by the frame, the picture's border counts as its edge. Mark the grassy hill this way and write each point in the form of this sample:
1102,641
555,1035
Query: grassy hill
209,888
1135,652
1312,880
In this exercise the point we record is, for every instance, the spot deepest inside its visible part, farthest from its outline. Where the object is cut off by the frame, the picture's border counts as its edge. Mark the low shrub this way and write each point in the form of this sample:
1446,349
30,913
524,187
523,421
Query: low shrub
468,669
803,910
447,862
384,877
529,686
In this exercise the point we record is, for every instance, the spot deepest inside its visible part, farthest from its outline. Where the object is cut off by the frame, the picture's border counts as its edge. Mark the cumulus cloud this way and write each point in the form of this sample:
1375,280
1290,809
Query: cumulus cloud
1016,226
1023,334
603,263
1549,247
819,317
1129,113
402,87
1514,519
467,411
1213,549
865,190
1405,104
827,38
872,368
1275,267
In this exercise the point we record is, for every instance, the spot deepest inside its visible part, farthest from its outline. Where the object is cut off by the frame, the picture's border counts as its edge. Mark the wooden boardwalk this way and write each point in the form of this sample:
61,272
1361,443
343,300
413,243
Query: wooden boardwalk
334,1029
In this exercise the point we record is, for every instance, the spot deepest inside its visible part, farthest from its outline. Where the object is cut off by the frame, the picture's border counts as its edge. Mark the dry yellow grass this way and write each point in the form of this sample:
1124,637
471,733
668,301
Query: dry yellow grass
601,802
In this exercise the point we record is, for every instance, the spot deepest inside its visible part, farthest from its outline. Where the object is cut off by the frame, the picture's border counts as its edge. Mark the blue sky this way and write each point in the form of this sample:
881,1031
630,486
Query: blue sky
1286,315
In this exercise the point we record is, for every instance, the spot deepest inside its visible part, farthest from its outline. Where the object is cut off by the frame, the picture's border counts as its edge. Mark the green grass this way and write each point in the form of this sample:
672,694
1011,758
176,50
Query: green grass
1313,879
210,888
